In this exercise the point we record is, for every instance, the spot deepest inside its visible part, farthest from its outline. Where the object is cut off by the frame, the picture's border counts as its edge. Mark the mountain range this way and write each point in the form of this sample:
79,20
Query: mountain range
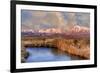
72,32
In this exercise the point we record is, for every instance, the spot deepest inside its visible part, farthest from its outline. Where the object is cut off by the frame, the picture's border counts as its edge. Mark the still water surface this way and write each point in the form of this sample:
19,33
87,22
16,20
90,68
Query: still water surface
42,54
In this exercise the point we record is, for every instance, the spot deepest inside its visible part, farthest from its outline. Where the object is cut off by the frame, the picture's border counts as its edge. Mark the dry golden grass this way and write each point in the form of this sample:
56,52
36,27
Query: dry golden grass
78,47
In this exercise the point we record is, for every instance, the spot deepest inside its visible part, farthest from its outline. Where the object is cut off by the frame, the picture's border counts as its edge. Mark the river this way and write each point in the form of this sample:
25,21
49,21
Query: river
42,54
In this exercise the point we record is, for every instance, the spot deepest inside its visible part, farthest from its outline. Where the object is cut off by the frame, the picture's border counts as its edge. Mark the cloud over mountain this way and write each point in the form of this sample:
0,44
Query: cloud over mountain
37,20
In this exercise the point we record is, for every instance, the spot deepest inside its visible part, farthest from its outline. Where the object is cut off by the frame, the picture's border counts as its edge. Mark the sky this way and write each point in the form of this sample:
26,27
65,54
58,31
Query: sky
35,20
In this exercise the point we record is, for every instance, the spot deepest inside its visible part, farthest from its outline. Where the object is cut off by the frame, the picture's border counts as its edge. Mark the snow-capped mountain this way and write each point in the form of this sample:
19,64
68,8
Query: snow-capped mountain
73,32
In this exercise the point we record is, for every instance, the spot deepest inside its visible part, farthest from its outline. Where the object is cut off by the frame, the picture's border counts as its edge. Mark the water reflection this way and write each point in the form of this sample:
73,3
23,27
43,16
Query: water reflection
48,54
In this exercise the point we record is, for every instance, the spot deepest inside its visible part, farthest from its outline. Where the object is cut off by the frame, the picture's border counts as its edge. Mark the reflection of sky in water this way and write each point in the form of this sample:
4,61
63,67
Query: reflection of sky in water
44,19
45,54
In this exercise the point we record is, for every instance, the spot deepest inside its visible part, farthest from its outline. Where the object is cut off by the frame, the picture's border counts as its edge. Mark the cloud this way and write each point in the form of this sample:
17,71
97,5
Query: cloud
44,19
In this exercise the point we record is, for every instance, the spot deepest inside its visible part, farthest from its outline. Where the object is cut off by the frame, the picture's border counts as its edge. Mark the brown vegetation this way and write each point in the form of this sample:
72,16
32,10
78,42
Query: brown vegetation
78,47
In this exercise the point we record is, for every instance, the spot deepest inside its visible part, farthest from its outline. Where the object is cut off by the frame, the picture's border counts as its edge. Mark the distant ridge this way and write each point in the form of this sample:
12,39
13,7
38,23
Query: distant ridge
73,32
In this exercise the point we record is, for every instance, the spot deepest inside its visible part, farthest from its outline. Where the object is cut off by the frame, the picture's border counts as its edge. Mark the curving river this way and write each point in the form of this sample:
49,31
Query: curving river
42,54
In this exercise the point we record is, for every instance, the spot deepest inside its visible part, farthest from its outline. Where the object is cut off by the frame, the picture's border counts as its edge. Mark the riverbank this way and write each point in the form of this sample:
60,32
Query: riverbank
78,47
